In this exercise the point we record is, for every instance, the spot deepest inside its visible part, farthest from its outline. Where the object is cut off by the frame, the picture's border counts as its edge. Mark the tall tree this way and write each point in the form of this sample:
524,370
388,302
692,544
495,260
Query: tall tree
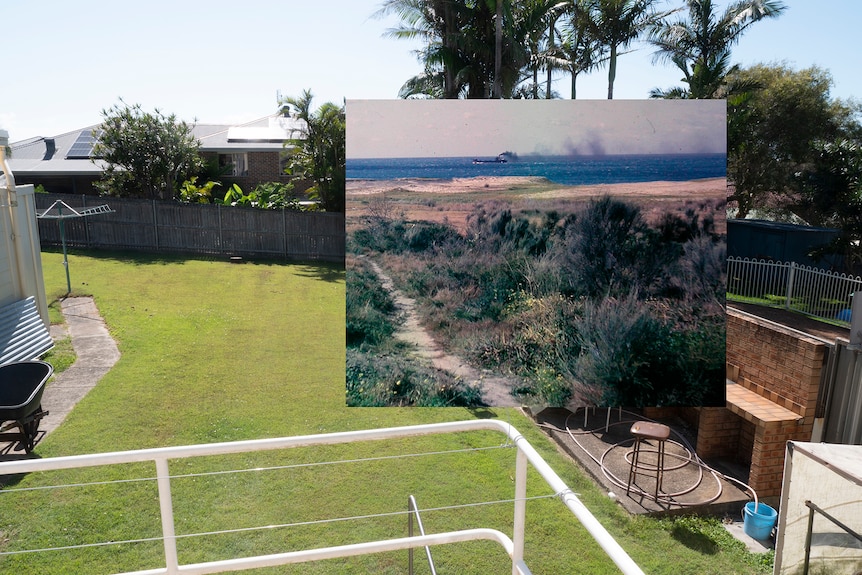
831,195
699,42
147,154
498,49
773,130
580,49
616,24
319,154
472,48
437,23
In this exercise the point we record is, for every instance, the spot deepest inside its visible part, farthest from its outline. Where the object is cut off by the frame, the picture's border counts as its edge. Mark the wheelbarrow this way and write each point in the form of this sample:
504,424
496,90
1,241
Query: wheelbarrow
21,387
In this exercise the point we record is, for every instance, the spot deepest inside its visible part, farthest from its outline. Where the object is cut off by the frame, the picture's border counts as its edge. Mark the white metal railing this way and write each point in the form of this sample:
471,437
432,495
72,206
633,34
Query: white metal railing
413,512
809,290
514,547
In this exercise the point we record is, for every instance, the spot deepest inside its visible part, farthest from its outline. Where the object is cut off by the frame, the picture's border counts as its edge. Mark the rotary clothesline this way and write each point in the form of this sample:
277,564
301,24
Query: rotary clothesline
60,216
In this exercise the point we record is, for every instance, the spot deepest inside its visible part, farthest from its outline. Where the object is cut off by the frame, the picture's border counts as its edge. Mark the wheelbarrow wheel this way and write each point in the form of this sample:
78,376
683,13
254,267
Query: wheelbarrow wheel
28,435
30,429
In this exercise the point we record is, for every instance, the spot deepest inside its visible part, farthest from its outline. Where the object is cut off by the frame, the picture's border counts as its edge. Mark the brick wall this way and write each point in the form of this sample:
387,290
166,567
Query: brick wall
767,454
784,366
747,432
263,167
778,363
717,433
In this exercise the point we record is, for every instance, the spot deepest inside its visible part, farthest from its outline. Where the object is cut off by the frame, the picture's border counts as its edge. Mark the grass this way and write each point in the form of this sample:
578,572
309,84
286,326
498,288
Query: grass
213,351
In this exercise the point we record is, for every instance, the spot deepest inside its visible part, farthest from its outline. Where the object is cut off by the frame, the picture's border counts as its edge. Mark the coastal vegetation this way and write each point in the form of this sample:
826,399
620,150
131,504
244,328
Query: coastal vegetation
587,303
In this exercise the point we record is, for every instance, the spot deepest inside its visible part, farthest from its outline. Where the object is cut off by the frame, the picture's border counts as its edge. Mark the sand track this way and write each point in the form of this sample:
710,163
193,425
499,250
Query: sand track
495,388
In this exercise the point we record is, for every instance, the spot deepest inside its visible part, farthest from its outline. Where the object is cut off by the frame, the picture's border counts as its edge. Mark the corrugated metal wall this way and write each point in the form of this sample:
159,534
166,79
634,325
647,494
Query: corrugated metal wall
843,423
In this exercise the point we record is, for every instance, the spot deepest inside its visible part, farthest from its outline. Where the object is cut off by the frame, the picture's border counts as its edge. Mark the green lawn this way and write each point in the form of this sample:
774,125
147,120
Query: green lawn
214,351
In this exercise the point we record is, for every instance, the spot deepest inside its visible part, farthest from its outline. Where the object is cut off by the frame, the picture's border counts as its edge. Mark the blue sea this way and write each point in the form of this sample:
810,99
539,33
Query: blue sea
565,170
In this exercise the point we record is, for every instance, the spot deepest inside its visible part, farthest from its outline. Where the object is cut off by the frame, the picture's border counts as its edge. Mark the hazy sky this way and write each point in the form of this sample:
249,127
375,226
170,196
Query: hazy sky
429,128
223,62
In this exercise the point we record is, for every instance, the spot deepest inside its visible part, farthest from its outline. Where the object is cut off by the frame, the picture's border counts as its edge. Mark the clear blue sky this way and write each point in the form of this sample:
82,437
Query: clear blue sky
223,62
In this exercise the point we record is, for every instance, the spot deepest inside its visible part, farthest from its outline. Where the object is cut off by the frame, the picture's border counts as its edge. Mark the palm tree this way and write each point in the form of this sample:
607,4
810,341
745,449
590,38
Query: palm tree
320,153
580,51
536,30
472,48
616,24
699,44
438,24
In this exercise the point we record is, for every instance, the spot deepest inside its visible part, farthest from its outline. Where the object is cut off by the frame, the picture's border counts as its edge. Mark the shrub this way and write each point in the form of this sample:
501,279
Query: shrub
370,308
703,270
545,387
420,237
265,196
192,193
378,235
538,335
622,346
380,381
492,226
603,246
632,358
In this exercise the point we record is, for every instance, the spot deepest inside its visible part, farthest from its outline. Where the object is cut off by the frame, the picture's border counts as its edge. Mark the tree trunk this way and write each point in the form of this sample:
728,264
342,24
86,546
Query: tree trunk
612,71
535,82
498,52
551,53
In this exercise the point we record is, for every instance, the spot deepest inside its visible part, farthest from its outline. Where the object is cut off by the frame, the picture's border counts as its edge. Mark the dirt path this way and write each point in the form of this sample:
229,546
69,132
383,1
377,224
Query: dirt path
495,388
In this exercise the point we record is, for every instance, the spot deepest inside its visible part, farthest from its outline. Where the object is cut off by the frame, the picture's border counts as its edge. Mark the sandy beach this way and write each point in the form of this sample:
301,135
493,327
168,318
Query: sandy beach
712,187
452,200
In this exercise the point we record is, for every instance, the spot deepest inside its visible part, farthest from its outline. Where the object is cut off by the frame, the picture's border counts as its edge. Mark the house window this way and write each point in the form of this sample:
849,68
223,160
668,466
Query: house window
238,163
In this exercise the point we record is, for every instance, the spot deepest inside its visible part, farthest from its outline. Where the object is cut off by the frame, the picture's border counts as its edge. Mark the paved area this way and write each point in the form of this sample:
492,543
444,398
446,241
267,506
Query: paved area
96,353
794,320
600,441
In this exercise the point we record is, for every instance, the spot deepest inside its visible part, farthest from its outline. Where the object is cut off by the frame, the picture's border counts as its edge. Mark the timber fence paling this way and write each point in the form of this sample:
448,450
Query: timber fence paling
162,226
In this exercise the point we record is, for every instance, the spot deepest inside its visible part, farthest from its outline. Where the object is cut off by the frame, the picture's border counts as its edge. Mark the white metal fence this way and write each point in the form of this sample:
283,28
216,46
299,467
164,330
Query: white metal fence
808,290
514,546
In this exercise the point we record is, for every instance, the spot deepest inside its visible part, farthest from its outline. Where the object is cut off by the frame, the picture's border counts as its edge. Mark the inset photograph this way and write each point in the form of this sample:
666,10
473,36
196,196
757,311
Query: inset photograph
543,253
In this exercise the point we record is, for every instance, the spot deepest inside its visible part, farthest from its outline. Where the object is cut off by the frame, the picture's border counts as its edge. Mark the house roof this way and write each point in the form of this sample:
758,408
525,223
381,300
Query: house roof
36,156
262,135
51,155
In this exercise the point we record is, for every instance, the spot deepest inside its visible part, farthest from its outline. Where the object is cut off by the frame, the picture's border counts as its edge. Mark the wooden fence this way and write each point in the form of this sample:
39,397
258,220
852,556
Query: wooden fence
159,226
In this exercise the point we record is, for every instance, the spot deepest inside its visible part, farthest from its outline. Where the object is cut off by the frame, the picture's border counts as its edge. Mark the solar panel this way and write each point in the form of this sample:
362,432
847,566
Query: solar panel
82,149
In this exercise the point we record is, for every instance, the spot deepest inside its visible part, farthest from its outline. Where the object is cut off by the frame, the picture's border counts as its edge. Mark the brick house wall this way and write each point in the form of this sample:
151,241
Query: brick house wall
263,167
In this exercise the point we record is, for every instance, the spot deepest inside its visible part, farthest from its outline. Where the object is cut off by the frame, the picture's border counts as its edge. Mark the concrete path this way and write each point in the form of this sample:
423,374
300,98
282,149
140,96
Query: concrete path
96,353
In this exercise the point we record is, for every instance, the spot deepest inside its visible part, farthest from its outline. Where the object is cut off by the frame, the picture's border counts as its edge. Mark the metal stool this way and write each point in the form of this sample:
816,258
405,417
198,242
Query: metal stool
643,431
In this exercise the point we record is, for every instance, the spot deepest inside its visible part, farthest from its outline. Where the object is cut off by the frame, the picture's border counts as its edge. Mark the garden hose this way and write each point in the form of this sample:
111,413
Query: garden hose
689,456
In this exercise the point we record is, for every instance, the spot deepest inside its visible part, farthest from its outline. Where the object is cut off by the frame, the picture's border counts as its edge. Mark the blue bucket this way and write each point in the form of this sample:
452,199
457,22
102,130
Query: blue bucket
758,524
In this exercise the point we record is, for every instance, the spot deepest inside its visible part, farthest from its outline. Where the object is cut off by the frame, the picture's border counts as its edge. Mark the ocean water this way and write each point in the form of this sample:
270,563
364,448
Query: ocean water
565,170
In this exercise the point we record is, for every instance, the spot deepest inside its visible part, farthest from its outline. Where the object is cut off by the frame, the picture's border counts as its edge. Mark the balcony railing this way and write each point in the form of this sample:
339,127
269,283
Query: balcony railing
513,546
414,514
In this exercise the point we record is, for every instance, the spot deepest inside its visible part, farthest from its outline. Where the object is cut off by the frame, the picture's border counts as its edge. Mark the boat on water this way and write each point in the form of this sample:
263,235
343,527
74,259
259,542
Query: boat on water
500,159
